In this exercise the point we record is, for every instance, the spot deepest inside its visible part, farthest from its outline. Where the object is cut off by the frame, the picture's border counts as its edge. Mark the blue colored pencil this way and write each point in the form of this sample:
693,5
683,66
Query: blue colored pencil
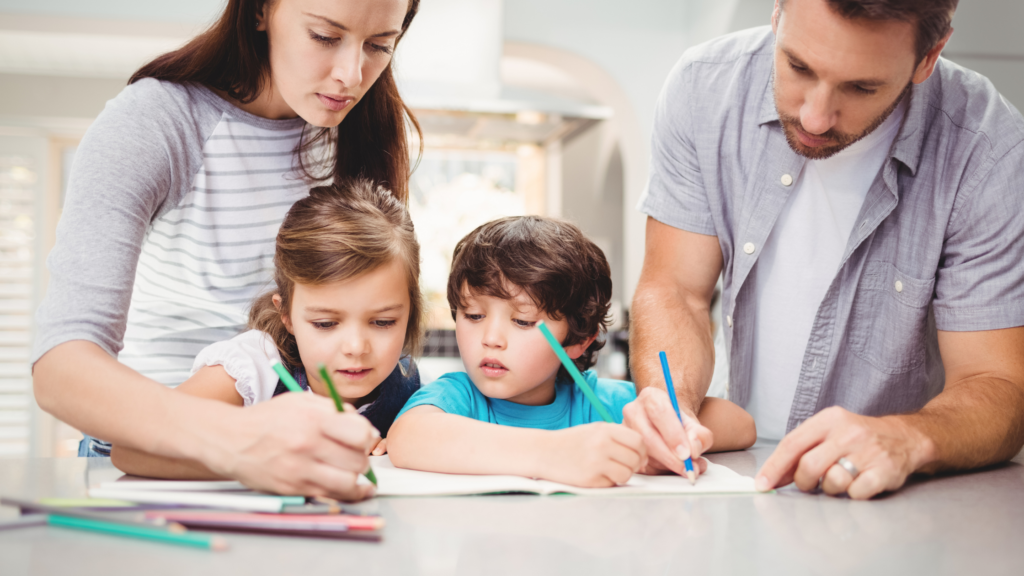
675,404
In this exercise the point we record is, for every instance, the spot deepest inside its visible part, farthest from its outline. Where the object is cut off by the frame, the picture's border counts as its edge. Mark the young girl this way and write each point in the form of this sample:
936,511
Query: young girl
347,297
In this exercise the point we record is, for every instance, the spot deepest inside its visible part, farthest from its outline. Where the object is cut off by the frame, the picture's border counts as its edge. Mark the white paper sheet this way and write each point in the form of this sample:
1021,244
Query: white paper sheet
392,481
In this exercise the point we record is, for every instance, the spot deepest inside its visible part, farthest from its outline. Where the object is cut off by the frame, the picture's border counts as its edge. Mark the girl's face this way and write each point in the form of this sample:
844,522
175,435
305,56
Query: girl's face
325,55
355,327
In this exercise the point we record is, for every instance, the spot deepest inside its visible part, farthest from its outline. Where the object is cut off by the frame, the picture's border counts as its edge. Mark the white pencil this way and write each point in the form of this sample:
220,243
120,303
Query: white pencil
177,485
245,502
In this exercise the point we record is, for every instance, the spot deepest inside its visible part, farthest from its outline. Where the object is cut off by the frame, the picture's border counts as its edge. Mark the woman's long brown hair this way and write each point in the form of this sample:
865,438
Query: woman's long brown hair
232,56
336,233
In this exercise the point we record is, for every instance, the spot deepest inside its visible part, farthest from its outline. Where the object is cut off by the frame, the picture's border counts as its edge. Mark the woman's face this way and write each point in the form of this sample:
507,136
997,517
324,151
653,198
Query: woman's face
325,55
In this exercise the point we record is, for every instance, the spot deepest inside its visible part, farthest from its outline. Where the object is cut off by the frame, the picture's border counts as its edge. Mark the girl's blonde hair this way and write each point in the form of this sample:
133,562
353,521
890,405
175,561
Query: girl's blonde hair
339,232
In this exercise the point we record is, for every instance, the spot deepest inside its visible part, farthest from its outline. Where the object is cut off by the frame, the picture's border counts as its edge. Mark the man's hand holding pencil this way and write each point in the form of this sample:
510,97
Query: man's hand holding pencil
668,441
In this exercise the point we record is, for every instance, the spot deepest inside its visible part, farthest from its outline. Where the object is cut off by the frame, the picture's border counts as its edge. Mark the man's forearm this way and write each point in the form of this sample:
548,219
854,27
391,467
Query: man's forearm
974,423
663,318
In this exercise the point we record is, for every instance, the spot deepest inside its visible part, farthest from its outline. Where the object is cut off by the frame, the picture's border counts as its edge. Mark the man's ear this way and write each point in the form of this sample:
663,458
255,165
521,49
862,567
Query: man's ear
927,65
284,315
776,13
577,350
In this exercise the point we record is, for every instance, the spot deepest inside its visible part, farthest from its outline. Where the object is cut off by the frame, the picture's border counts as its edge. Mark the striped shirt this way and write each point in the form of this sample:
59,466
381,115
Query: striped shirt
174,202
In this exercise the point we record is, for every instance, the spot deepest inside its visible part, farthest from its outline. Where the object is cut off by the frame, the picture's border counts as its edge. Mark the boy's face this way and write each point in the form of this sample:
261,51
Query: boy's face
506,356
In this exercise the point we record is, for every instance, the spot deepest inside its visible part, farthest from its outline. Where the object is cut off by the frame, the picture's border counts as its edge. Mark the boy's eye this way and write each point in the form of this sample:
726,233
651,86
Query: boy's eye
324,325
384,323
524,323
325,40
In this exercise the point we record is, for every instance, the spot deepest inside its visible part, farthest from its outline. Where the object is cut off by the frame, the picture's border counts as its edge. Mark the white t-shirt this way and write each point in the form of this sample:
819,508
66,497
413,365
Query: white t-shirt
798,263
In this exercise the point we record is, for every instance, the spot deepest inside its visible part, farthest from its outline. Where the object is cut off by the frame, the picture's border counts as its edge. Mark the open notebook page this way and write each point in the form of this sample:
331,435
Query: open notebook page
392,481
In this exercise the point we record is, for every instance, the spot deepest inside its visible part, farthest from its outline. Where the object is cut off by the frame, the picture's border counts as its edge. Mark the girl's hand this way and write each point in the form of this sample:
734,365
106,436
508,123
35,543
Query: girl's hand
594,455
381,448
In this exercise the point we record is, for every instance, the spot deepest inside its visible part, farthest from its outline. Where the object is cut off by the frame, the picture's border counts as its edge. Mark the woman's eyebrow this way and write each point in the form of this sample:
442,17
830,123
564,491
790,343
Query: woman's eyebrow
342,26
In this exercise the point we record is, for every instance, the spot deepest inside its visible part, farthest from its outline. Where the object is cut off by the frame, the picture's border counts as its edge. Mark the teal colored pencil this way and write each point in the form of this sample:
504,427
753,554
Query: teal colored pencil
287,378
144,532
339,402
574,372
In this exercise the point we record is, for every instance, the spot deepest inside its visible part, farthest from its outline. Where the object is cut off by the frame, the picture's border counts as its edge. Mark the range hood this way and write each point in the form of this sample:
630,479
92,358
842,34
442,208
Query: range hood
448,69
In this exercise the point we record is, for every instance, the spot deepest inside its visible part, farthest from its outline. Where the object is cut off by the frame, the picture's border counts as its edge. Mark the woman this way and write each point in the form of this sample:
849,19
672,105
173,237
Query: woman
174,201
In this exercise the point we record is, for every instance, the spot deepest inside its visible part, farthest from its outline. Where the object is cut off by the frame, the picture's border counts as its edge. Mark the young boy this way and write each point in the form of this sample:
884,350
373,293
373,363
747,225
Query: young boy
516,410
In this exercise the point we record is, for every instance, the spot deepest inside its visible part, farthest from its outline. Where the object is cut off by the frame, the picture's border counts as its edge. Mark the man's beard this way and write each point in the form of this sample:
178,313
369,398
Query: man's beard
841,139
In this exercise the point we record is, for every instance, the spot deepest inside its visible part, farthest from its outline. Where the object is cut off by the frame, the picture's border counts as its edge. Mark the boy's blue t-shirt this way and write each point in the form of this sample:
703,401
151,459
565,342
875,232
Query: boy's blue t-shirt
455,394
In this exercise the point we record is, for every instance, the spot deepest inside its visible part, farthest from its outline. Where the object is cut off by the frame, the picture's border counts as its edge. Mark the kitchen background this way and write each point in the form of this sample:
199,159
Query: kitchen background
527,106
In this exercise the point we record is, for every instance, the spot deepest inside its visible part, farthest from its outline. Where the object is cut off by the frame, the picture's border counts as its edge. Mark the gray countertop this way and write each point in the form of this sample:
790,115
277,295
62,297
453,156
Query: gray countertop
962,524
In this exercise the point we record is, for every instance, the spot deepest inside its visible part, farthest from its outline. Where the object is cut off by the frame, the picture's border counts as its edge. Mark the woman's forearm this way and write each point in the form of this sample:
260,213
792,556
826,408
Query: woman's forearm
82,385
426,438
138,463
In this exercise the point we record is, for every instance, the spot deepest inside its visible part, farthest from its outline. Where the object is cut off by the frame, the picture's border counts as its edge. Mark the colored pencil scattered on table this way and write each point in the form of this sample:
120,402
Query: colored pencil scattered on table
138,531
574,372
675,405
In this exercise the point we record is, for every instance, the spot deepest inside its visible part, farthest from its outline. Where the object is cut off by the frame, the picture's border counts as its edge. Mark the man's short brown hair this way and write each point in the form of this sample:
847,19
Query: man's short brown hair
565,274
932,17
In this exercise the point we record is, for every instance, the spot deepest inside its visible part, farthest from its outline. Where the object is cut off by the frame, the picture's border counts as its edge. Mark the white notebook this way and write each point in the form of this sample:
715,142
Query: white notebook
392,481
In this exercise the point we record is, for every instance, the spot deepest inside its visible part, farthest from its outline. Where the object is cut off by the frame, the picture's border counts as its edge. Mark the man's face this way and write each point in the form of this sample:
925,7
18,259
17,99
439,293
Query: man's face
836,79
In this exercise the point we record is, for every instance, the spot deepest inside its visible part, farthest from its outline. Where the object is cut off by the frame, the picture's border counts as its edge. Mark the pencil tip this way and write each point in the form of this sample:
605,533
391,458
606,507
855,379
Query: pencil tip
693,477
175,528
218,543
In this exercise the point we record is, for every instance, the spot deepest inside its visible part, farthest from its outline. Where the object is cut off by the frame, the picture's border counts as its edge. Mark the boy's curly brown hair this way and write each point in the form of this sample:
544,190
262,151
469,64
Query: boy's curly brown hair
565,274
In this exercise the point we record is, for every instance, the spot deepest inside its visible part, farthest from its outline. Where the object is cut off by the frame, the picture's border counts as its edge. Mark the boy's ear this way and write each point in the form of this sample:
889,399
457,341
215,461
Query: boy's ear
577,350
284,315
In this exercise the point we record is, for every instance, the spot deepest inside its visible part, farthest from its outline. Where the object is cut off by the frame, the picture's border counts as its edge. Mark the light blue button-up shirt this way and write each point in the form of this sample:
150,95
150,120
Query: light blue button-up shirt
938,244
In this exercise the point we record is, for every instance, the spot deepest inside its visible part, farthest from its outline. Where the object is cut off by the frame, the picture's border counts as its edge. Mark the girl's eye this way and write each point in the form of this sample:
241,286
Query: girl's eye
325,40
473,317
384,323
324,325
524,323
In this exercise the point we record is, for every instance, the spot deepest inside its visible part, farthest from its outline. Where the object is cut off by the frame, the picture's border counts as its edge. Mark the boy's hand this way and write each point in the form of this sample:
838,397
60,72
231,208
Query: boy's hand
594,455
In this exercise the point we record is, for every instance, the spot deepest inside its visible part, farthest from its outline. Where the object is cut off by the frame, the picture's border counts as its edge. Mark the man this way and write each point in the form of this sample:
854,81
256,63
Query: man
860,198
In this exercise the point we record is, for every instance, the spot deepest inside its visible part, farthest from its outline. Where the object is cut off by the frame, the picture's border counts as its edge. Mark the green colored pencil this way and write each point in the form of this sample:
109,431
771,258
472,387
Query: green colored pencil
144,532
574,372
339,402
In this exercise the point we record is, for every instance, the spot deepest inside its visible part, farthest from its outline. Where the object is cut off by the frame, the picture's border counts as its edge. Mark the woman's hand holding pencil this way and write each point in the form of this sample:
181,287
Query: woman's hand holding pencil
299,444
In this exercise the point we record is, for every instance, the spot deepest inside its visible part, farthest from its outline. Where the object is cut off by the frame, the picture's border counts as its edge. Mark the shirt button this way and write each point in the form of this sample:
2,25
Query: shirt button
748,247
786,179
728,320
899,286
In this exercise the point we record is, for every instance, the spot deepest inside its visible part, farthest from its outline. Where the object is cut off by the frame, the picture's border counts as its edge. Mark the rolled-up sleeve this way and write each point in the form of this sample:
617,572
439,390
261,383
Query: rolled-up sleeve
980,283
675,193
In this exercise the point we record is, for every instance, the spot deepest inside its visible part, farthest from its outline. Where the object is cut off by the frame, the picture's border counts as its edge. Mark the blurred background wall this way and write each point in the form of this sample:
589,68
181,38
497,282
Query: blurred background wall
560,125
